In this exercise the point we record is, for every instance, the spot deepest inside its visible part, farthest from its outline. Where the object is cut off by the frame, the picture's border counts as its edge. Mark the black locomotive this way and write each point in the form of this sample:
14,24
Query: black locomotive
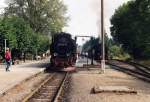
63,50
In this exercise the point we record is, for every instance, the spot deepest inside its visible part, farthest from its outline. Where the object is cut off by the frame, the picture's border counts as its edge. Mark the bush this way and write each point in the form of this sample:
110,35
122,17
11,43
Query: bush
116,52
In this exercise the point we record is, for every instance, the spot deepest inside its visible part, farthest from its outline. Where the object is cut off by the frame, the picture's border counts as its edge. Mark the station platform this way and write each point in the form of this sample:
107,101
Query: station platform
18,73
111,86
84,61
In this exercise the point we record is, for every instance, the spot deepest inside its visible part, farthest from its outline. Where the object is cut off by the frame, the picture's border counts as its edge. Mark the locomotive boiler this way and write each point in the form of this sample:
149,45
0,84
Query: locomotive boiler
63,50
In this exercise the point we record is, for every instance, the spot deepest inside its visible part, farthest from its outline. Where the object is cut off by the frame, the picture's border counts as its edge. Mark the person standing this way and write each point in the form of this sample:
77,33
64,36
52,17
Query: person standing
7,59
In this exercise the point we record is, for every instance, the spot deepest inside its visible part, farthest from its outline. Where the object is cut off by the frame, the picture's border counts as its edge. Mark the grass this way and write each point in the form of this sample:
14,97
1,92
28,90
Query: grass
144,62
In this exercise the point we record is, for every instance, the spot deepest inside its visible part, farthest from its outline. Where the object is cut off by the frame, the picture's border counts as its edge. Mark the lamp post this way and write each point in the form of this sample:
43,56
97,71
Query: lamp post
102,38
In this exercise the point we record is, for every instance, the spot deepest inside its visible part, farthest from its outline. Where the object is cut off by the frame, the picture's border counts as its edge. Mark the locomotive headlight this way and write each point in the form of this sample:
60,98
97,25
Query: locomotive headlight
55,54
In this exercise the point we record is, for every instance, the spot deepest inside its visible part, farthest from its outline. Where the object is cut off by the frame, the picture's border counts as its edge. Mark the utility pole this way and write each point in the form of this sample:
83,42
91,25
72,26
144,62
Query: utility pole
102,37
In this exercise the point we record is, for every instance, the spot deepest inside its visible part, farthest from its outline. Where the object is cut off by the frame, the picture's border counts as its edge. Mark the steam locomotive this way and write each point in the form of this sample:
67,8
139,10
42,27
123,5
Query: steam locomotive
63,50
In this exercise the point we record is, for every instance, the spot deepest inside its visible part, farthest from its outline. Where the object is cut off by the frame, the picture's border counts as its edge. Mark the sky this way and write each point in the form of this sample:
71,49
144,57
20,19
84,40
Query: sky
85,16
2,5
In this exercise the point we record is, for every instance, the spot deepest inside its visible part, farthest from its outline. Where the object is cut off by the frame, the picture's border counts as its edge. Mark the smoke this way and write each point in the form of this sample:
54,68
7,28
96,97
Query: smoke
109,8
96,7
8,1
2,6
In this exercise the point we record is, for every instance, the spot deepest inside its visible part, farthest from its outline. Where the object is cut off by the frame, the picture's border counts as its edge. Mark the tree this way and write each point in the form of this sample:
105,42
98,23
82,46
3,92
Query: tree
21,38
95,43
130,27
43,44
25,24
17,32
7,31
44,16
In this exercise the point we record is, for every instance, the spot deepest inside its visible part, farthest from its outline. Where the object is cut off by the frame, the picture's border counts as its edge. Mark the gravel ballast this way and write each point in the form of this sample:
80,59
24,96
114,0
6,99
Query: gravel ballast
17,93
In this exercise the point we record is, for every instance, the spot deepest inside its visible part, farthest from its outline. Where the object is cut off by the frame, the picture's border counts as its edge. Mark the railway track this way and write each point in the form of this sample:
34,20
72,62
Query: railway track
131,68
50,90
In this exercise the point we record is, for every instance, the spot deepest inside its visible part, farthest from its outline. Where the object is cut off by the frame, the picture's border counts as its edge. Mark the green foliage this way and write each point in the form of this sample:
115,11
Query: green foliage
130,27
89,44
93,41
20,36
113,50
44,16
116,52
17,32
144,62
26,24
7,31
43,43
